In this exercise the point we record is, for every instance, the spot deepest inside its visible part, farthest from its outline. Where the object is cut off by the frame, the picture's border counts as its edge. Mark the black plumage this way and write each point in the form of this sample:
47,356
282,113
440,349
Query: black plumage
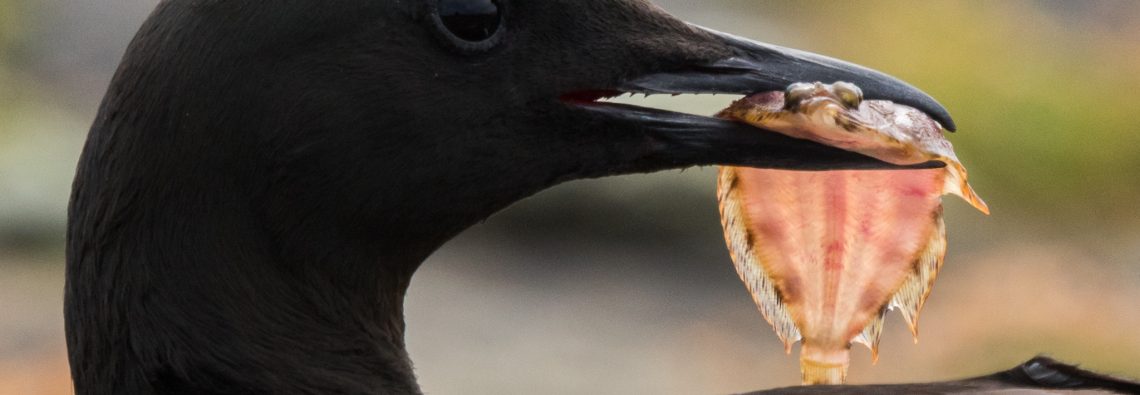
1040,375
264,177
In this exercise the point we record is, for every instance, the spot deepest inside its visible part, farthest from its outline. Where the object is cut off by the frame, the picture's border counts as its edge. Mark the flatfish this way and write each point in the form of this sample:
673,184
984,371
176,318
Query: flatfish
826,254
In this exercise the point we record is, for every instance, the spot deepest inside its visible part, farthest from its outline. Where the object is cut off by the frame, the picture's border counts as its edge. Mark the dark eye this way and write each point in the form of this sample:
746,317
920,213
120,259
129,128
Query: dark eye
471,24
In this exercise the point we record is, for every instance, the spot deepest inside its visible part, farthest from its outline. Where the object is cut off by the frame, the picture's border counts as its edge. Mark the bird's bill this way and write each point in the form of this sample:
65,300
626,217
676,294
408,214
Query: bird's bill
754,67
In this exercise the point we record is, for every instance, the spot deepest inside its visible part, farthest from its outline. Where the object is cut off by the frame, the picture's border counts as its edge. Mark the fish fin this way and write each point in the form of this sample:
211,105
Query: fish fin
910,297
750,269
956,184
872,333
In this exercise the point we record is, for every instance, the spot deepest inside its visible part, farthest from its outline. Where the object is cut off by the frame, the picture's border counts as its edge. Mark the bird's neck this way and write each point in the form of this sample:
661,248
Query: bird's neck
204,297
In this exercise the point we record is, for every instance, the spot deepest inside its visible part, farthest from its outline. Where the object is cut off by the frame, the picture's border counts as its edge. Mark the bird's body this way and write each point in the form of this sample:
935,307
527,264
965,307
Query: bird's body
264,177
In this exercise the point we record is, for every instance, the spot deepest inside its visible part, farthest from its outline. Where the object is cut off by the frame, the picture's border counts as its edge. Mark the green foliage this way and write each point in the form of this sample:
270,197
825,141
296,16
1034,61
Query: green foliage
11,27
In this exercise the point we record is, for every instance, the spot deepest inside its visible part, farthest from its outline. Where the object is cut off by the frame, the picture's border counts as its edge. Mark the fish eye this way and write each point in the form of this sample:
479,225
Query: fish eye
848,93
470,25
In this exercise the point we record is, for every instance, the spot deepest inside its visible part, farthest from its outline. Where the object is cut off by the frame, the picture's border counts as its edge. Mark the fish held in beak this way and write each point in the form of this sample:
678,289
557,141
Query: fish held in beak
826,254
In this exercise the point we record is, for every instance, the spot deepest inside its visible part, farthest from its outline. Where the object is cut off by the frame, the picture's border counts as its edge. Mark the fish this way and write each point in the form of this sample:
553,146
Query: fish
826,254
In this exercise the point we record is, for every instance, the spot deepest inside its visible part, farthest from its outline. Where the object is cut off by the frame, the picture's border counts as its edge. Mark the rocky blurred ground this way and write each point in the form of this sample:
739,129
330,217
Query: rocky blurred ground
491,315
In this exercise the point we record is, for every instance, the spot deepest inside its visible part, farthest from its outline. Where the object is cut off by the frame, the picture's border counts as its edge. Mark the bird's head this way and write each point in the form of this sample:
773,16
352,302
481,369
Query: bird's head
372,109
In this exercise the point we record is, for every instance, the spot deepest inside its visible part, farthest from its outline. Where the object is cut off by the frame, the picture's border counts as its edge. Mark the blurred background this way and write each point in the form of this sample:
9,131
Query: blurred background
624,285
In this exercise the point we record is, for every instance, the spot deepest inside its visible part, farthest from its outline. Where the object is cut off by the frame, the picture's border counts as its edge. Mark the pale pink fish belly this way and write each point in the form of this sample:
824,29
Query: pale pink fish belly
826,254
838,245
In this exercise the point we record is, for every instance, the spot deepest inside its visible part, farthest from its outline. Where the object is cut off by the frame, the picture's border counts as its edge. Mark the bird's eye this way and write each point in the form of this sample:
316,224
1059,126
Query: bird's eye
472,25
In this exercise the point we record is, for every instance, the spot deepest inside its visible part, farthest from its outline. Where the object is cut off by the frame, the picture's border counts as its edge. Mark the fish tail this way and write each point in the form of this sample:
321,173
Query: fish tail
819,366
